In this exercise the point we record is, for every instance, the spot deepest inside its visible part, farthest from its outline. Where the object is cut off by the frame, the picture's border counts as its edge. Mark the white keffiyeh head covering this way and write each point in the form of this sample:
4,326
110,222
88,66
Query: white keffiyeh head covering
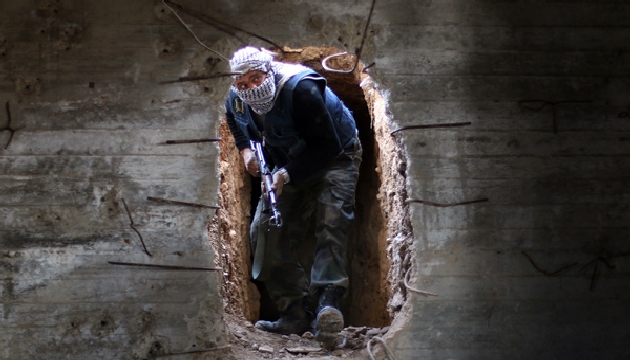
262,97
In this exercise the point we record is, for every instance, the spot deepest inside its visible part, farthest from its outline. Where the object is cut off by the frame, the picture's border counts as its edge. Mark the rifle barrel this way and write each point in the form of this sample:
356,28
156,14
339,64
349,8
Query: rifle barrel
267,177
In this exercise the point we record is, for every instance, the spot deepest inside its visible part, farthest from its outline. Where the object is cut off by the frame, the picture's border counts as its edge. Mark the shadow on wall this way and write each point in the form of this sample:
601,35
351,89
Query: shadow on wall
545,87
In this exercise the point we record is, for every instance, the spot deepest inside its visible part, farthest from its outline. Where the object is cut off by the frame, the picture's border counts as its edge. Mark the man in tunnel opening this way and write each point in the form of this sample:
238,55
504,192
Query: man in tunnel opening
311,141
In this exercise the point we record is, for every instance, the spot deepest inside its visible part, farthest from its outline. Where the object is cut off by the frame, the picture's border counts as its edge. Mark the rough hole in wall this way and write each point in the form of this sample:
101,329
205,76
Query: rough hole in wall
28,86
167,47
379,215
104,326
155,350
161,12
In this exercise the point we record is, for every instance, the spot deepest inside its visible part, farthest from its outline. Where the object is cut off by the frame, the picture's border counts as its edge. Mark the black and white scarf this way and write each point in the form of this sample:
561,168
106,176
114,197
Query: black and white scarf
262,98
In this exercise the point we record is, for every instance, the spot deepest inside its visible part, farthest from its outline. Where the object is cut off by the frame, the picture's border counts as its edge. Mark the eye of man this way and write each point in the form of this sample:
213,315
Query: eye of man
255,79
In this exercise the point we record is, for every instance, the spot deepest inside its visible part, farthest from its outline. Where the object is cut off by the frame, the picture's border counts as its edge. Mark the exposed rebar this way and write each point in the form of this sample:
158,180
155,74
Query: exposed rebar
357,55
168,267
198,78
431,126
220,25
446,205
175,202
194,351
190,141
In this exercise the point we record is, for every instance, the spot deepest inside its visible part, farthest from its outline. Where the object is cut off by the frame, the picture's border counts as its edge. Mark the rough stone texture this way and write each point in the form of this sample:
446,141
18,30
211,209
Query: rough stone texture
543,83
79,86
538,270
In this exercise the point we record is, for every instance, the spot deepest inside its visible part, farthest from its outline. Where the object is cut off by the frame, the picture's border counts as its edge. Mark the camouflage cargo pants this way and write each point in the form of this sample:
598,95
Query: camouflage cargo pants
320,209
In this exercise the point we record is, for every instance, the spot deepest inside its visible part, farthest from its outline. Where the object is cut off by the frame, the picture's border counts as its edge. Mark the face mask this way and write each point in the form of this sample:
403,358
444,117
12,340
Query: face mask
260,98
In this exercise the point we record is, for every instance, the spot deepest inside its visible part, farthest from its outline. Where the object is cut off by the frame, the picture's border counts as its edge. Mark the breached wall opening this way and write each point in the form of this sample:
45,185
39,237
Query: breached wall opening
378,255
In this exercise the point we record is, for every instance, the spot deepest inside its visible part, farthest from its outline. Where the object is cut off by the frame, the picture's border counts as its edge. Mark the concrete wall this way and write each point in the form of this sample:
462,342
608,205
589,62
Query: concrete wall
544,85
91,121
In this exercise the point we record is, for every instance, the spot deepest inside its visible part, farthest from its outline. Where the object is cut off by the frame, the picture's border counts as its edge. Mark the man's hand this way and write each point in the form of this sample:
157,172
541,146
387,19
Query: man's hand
278,183
251,163
280,178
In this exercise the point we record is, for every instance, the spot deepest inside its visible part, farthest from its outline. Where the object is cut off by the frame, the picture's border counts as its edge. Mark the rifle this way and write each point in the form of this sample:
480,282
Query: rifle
267,178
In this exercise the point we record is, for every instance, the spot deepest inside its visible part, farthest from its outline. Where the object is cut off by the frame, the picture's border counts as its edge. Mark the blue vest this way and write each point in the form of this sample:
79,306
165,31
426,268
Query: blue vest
282,141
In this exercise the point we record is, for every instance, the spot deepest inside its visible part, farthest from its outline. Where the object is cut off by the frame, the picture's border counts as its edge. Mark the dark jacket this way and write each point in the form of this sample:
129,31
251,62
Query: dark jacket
306,128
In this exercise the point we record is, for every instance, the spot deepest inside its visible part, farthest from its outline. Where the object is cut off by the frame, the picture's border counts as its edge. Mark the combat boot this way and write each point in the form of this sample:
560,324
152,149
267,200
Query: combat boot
329,318
296,319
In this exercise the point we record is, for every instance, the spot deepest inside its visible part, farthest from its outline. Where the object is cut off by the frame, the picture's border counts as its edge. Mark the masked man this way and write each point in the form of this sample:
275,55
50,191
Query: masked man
311,142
